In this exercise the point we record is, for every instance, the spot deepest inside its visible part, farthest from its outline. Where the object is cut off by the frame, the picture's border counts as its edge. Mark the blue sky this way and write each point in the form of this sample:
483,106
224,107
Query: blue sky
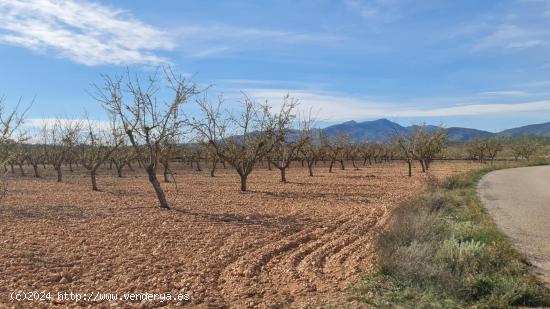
482,64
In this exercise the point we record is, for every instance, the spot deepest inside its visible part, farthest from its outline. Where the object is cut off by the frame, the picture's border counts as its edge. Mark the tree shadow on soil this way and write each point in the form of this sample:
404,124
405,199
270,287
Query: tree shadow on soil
269,221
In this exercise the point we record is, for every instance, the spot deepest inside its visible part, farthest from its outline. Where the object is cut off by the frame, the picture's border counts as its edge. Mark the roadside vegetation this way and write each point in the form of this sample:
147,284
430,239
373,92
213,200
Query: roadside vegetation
442,250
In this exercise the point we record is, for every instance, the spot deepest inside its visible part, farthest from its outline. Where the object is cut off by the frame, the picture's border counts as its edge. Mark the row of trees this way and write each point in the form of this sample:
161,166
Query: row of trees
483,150
147,127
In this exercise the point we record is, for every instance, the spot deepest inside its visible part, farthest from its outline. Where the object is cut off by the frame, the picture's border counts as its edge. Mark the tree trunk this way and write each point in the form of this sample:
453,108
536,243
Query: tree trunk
71,167
342,167
21,169
353,164
166,173
156,185
213,170
243,182
94,181
199,169
410,167
269,164
59,175
130,166
12,168
283,174
331,165
119,170
423,166
310,168
35,168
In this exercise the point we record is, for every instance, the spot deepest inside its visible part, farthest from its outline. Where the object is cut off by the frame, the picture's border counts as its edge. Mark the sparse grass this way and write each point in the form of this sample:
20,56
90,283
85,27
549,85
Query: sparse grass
443,250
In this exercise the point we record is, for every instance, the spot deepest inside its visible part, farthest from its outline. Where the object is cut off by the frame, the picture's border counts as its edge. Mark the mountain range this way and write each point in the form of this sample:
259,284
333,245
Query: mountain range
384,129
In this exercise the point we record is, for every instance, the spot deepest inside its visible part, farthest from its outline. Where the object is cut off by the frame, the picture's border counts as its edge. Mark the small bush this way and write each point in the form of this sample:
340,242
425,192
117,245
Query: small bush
461,258
459,181
539,162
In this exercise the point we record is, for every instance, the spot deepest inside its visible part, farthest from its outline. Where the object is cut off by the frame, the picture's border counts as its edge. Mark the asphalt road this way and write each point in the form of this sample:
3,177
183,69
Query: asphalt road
519,201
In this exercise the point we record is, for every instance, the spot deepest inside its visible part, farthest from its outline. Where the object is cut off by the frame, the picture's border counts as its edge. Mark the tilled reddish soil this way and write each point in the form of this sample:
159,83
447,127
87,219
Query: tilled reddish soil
299,244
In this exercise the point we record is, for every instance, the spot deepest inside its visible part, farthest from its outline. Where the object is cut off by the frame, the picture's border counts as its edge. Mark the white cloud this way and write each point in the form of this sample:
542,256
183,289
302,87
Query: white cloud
510,37
505,93
332,107
85,32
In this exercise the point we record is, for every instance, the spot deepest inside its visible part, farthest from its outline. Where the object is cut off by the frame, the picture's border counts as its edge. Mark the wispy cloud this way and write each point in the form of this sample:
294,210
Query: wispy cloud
510,36
333,107
505,93
203,40
85,32
383,11
93,34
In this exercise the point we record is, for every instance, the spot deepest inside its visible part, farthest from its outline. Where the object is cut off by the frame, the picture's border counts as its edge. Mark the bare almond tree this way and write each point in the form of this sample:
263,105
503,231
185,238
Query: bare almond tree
406,145
34,156
367,151
493,146
311,149
523,148
197,154
122,157
476,150
335,149
421,144
428,144
96,148
351,151
10,123
148,120
287,146
60,139
168,151
19,157
213,157
241,138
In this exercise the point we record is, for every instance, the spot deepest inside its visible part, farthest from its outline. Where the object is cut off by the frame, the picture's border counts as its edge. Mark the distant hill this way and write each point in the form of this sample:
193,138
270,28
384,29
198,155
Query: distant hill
376,130
458,134
384,129
542,129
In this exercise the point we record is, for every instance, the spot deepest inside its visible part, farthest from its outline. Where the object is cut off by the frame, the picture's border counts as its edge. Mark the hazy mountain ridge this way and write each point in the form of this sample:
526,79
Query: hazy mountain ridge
384,129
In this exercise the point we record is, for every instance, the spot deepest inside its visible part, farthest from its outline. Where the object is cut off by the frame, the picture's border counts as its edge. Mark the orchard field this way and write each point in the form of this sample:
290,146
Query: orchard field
298,243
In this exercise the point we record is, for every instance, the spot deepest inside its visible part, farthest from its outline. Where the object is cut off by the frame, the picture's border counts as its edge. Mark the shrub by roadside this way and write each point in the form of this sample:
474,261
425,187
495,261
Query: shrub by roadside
442,250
